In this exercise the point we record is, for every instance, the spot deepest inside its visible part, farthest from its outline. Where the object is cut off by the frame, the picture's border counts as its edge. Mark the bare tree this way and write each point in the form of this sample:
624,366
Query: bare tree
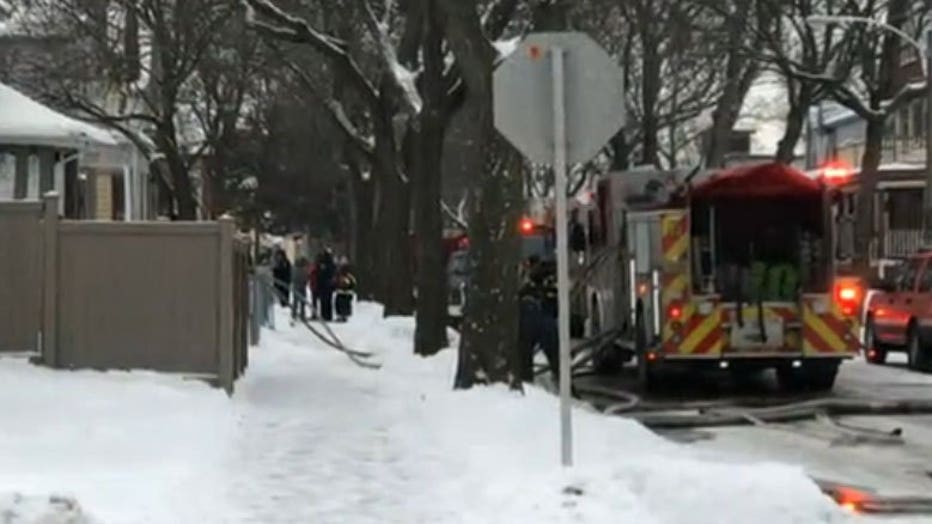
740,71
146,52
673,71
488,350
390,101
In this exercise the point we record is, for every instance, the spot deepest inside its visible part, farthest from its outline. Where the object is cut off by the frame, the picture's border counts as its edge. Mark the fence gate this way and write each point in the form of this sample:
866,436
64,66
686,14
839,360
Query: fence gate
21,244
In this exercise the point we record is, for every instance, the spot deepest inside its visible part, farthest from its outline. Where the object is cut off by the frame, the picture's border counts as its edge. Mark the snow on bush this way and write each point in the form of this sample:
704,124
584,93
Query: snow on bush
17,509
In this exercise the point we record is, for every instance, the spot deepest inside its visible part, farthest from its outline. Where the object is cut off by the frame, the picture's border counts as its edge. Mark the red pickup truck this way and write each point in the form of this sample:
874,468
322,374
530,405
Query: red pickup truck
899,314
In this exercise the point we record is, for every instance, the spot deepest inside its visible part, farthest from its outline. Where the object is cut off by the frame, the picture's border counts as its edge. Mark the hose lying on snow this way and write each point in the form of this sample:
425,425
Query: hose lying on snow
786,413
330,338
864,500
595,344
624,401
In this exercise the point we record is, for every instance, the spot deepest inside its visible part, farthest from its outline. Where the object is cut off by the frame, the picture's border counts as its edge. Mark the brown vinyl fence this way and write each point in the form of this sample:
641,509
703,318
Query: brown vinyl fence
20,275
164,296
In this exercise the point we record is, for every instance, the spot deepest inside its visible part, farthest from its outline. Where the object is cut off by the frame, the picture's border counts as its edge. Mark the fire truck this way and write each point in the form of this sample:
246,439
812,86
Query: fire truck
731,270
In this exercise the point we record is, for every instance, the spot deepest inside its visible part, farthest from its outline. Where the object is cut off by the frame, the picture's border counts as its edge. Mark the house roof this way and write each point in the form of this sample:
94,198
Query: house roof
23,121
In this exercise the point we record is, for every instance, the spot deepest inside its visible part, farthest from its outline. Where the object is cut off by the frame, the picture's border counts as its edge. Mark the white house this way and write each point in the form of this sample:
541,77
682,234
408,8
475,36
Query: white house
100,174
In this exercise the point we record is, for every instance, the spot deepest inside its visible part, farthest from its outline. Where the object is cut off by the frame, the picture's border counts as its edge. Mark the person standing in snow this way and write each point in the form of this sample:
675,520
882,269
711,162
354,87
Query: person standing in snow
299,280
326,279
537,328
281,271
345,285
313,271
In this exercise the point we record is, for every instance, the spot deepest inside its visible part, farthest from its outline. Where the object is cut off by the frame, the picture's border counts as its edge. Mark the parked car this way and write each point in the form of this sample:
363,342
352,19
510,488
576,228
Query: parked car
899,314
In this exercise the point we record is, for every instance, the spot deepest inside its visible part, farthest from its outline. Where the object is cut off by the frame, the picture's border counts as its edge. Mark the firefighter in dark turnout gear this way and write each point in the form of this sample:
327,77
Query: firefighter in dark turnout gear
538,320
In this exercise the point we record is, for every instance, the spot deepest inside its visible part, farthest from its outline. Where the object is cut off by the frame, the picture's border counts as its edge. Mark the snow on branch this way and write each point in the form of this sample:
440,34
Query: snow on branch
290,28
497,18
455,216
404,79
850,99
335,107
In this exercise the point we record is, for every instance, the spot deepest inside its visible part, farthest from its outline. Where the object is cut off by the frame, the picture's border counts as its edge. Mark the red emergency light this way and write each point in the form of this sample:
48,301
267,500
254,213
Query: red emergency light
848,293
837,172
526,226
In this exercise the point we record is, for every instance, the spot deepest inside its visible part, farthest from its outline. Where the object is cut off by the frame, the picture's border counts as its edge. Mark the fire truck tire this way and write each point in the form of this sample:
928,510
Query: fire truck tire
813,375
874,351
917,356
608,359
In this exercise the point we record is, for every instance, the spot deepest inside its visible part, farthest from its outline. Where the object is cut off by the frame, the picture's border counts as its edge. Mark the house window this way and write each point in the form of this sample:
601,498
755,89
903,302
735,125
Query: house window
905,208
902,118
918,117
7,176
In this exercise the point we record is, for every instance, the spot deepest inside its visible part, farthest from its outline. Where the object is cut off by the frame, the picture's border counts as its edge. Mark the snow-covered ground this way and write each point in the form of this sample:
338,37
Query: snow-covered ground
310,437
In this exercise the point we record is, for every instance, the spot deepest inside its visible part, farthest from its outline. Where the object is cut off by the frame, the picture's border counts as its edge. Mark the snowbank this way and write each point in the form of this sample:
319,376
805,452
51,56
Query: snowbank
490,455
310,437
130,447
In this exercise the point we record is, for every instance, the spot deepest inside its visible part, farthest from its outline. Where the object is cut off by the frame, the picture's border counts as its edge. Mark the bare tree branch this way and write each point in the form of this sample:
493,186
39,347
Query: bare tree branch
293,29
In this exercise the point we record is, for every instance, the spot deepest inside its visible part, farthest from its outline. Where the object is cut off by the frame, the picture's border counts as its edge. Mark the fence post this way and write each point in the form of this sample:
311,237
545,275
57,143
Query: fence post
225,339
255,322
50,281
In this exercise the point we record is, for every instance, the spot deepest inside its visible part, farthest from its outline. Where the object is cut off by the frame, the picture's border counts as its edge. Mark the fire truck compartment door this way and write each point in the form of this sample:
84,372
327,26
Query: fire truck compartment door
748,335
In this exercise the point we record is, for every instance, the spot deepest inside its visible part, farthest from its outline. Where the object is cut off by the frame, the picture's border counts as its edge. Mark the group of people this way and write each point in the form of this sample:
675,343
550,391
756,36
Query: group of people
331,284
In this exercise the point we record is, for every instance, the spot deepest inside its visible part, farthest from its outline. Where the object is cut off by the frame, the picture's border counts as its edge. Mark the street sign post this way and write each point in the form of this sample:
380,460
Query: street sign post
558,99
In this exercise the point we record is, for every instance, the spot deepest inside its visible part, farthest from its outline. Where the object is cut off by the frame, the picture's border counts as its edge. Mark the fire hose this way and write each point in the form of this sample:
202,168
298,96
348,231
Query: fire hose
330,338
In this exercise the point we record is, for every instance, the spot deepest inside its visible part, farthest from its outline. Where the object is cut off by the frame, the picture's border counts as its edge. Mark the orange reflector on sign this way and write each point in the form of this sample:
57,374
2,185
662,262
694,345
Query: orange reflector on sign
534,52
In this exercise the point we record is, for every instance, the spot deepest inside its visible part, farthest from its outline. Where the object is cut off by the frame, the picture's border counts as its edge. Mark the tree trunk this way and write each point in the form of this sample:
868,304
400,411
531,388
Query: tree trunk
621,151
488,345
431,304
362,247
795,120
867,179
182,189
650,85
393,213
740,72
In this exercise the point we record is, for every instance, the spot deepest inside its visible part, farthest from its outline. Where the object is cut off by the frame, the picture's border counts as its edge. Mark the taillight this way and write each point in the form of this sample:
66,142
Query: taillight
848,294
675,311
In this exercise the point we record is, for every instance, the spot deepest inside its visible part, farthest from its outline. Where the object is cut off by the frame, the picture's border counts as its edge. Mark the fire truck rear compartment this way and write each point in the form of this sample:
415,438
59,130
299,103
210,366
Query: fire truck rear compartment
759,249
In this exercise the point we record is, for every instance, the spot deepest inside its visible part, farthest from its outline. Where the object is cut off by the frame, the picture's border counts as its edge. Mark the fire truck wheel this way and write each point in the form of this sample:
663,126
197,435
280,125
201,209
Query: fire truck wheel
814,375
875,352
915,351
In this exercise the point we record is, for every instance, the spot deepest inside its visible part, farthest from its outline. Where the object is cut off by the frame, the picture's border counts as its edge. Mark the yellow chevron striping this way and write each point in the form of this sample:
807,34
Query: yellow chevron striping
816,324
676,290
695,337
676,251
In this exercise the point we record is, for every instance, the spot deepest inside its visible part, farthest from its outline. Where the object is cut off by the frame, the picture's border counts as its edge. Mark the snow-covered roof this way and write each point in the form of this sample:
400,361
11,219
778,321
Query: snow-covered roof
764,114
23,121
